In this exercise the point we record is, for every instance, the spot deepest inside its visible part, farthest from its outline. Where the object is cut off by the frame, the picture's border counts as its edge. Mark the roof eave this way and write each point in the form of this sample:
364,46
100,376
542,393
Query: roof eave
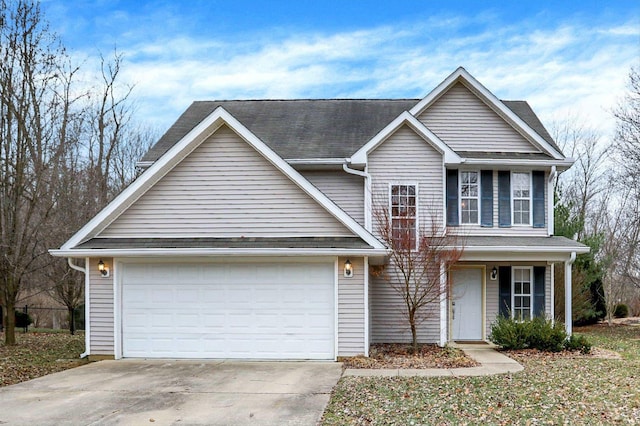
207,252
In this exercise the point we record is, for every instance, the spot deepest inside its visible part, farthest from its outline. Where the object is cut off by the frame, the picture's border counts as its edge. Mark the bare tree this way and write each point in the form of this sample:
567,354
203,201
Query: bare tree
31,73
419,263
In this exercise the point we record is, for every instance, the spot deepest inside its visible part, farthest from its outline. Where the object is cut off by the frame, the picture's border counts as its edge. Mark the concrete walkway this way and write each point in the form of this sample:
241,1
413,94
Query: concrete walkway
492,362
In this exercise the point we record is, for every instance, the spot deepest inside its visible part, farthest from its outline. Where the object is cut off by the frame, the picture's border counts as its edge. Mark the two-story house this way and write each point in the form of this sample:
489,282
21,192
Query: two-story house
250,233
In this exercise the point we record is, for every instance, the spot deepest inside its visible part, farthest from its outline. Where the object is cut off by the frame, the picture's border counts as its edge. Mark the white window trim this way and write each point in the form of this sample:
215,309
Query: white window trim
417,219
478,197
513,290
513,199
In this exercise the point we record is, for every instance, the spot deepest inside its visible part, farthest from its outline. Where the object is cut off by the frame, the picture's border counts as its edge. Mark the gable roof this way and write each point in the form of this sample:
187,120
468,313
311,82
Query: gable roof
450,156
322,128
521,125
177,152
316,128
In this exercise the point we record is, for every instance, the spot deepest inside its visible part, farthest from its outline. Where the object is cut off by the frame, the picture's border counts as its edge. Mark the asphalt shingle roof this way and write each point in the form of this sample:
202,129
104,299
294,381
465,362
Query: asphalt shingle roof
321,128
232,243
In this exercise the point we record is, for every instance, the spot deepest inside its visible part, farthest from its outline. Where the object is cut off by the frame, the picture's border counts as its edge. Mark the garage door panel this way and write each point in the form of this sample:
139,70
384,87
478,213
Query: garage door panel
242,310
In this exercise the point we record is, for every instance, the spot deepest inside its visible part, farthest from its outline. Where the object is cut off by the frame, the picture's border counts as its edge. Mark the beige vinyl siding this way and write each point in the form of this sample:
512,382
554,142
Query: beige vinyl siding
344,189
101,309
351,309
225,188
514,230
404,158
466,123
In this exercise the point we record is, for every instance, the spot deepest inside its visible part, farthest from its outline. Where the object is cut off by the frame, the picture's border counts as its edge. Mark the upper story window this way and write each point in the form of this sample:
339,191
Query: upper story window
469,197
403,215
522,293
521,197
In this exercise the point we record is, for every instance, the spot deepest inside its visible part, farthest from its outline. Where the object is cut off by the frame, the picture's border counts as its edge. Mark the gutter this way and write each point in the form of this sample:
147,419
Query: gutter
86,295
367,191
145,252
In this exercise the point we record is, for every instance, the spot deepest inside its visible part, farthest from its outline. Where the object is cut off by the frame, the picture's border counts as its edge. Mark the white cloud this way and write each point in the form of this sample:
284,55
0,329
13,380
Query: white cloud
559,70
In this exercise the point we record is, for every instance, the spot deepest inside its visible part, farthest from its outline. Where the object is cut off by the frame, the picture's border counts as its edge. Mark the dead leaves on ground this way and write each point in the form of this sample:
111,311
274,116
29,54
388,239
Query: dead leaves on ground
396,355
39,354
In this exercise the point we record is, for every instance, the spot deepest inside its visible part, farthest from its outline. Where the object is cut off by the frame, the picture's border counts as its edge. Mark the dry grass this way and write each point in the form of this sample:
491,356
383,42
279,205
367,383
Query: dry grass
38,354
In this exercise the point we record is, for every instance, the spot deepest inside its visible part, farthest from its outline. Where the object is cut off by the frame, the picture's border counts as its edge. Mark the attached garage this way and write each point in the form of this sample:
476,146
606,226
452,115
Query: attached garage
268,309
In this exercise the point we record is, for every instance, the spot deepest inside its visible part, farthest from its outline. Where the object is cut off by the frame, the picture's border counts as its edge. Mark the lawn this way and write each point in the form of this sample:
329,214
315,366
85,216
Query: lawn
567,389
38,354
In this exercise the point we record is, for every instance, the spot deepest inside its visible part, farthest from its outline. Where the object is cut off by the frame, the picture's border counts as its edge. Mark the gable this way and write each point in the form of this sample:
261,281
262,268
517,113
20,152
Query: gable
225,188
465,123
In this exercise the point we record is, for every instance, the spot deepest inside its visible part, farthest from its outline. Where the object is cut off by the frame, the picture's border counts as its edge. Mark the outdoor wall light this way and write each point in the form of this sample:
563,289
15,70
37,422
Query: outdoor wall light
103,269
494,274
348,269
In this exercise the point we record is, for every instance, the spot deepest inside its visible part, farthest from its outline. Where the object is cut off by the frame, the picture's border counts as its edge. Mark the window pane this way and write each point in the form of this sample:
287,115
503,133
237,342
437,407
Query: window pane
526,288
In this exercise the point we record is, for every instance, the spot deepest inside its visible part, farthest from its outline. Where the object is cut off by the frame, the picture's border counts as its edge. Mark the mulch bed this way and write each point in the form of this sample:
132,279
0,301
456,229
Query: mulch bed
395,355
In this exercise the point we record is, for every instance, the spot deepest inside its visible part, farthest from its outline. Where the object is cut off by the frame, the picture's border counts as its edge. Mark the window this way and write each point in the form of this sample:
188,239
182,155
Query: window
469,197
522,293
403,215
521,198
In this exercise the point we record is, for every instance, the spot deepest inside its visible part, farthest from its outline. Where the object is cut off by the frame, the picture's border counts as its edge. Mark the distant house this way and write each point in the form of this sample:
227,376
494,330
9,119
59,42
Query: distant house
249,234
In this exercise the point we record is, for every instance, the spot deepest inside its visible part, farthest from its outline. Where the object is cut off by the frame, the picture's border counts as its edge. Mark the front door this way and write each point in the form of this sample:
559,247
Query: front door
466,304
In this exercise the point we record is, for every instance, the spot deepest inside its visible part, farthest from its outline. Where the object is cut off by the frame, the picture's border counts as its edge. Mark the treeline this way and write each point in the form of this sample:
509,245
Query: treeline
68,144
598,203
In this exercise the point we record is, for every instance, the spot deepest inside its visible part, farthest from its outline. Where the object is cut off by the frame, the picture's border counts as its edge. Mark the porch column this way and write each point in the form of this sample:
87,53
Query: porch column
567,293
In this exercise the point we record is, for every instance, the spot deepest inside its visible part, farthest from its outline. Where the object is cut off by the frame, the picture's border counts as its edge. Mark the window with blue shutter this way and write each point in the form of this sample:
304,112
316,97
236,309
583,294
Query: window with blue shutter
486,198
452,198
538,185
504,198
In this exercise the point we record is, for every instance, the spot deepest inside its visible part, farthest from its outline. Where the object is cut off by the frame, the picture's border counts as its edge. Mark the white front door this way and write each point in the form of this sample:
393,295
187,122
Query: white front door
466,305
277,309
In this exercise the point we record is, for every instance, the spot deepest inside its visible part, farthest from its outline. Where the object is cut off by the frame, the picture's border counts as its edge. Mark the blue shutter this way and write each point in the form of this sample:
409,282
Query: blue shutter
537,178
452,198
504,282
486,198
504,199
538,290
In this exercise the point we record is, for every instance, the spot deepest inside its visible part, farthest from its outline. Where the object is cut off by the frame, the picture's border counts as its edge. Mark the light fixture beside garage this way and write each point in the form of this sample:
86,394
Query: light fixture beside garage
348,269
494,274
103,269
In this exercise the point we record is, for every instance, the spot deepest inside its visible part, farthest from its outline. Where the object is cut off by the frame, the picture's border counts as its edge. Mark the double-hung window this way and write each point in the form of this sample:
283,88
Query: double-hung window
403,215
522,293
469,197
521,197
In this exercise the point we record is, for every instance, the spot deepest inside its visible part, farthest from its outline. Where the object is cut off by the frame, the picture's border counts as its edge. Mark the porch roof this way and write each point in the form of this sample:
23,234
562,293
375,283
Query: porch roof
552,248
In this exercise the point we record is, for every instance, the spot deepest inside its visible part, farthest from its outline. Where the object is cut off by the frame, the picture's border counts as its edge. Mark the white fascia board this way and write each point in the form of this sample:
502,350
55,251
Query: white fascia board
184,147
463,76
508,163
525,249
450,156
184,252
315,161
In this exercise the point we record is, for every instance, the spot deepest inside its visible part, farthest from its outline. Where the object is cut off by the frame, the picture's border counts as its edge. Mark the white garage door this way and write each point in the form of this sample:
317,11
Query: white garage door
236,310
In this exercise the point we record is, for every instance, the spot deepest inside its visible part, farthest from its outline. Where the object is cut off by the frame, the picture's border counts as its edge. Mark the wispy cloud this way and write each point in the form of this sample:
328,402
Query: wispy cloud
571,68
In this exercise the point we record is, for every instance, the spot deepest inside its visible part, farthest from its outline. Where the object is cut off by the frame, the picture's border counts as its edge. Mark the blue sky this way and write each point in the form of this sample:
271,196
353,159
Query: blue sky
568,59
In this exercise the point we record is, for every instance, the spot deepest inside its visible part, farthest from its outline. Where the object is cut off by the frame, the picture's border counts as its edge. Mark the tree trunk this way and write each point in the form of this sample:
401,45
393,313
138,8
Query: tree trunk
414,333
72,323
10,324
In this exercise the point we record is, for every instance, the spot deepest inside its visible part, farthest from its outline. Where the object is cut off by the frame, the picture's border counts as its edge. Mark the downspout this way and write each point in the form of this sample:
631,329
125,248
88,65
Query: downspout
86,303
550,201
567,294
367,193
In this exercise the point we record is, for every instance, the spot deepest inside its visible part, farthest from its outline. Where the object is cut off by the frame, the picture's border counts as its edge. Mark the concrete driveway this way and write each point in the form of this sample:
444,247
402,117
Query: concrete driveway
167,392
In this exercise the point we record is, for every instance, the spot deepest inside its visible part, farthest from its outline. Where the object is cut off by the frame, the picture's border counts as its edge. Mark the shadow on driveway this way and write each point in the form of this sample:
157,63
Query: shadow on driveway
162,392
